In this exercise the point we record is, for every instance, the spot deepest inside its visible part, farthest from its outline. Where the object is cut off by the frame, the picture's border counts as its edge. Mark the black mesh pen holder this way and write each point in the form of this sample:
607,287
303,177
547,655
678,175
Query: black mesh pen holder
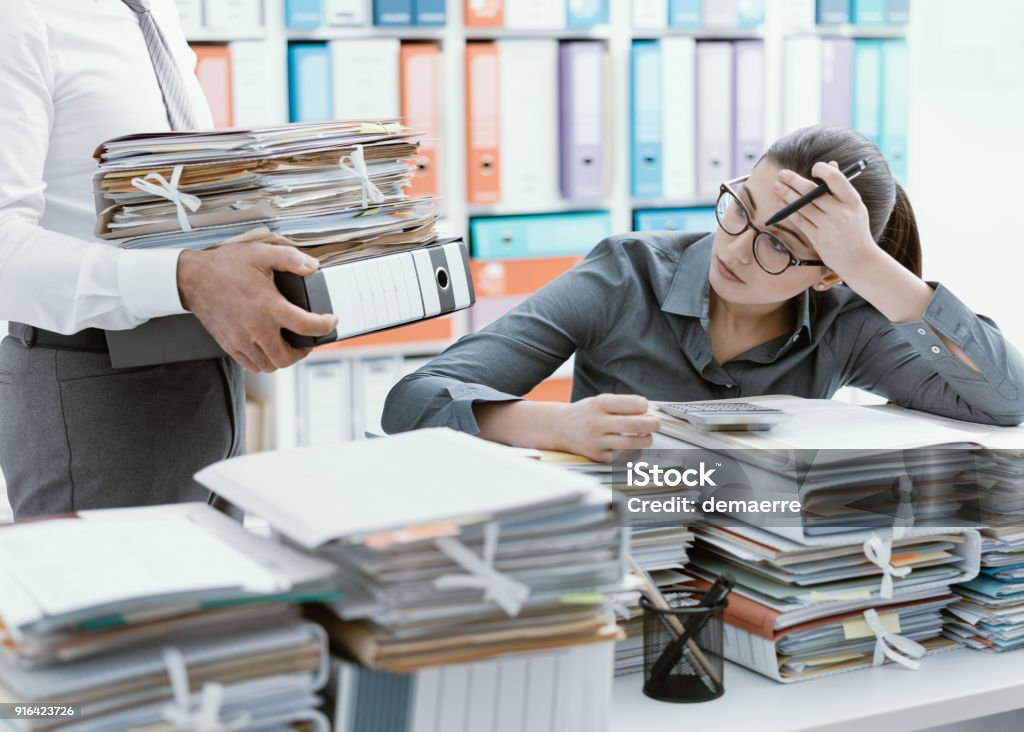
683,649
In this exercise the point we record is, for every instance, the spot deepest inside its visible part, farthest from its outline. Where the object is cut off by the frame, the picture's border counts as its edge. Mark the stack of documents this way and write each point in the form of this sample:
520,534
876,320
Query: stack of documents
132,613
452,549
324,186
990,613
660,550
803,609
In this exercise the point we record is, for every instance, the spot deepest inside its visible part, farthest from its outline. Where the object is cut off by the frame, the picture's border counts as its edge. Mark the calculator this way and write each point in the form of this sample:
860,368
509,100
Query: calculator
725,416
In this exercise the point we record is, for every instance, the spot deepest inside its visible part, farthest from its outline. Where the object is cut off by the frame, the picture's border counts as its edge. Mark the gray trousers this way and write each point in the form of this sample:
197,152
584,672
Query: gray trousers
77,434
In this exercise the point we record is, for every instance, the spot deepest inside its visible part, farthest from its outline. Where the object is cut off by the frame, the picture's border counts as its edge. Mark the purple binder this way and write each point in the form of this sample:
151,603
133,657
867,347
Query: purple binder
581,120
837,81
748,121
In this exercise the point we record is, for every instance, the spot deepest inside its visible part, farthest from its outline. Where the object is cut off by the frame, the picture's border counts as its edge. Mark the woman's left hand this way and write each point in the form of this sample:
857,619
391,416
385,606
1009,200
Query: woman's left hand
835,224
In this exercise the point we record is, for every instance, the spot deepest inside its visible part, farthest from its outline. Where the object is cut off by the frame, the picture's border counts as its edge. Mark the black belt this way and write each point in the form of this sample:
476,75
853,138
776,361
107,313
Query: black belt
90,339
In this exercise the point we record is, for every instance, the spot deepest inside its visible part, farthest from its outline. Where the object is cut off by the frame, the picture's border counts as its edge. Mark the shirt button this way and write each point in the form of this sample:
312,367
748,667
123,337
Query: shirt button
936,349
796,338
729,386
922,331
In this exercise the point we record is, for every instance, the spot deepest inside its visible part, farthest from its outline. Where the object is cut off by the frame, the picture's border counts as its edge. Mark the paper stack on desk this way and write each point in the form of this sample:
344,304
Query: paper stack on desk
451,549
804,610
660,550
989,615
133,613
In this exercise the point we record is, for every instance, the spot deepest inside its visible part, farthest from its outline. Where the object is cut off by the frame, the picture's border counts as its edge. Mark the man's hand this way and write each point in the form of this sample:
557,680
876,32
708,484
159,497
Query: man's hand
231,290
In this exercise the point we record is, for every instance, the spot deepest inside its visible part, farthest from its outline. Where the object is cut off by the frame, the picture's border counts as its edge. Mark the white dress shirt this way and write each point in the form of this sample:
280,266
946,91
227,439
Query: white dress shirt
74,73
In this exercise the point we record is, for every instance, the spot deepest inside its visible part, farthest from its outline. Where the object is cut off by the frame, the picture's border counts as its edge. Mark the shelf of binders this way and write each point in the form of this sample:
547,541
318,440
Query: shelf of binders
558,34
708,34
409,33
850,31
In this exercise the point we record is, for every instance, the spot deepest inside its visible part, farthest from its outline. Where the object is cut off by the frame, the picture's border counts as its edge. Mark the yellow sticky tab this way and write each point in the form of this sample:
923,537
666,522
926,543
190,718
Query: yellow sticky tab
834,658
382,540
582,598
372,128
902,560
859,628
851,595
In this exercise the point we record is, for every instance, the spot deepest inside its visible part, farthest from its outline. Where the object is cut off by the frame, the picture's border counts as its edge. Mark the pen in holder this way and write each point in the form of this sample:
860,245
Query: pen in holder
683,643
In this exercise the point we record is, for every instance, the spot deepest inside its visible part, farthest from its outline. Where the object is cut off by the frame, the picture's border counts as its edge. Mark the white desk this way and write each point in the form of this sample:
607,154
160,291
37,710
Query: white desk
948,688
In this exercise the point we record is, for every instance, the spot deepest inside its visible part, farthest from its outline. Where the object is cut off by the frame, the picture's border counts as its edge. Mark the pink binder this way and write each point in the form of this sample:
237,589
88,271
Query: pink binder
715,94
748,66
581,114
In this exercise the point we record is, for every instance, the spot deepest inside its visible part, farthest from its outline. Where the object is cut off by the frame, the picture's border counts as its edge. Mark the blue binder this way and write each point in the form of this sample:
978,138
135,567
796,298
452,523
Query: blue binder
897,12
392,12
675,219
541,235
867,88
645,116
586,13
868,12
309,82
832,12
685,14
749,13
895,73
303,14
429,12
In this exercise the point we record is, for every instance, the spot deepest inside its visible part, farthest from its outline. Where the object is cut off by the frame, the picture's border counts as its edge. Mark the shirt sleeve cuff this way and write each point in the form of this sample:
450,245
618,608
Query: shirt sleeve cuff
945,314
464,396
149,282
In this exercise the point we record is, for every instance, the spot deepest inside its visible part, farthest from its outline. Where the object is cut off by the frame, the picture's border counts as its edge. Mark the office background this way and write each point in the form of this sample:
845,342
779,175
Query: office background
267,61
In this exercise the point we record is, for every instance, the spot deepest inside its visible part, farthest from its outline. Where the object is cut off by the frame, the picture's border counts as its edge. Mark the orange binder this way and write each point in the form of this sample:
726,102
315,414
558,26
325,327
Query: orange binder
485,13
213,69
483,129
420,88
554,389
499,278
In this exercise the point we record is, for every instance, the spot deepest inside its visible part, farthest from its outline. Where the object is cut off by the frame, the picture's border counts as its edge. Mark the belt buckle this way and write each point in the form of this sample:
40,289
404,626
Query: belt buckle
30,335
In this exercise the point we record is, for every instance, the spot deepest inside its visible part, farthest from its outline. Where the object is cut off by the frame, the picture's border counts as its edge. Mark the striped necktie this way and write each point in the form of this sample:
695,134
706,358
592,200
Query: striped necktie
172,86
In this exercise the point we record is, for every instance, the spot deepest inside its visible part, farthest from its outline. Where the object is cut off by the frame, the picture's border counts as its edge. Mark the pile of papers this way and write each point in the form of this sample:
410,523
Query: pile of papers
451,549
328,187
659,550
990,613
802,609
164,614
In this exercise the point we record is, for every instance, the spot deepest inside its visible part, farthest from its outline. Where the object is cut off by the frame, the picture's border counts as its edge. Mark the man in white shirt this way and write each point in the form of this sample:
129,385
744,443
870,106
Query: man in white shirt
75,433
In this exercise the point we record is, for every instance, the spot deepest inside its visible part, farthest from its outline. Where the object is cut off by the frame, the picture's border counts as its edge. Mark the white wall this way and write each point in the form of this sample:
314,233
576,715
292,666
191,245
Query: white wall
966,151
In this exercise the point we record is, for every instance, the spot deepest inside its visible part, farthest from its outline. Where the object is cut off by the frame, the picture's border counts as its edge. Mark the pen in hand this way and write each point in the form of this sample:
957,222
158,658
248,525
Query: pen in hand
850,172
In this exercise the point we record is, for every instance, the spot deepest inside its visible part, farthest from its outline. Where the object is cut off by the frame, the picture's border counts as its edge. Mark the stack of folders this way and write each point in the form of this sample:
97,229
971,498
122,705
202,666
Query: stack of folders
812,608
452,549
660,550
327,187
989,615
168,615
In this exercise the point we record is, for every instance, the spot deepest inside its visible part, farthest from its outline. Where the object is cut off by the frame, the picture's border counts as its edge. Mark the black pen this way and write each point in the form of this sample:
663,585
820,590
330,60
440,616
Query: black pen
850,171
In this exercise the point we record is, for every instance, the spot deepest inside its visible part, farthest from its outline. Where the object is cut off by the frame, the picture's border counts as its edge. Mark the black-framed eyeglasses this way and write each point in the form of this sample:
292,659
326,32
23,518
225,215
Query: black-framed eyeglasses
770,253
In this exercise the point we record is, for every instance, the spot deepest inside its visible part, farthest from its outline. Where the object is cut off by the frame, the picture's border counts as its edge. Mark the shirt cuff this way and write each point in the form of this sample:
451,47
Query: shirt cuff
464,396
148,282
945,314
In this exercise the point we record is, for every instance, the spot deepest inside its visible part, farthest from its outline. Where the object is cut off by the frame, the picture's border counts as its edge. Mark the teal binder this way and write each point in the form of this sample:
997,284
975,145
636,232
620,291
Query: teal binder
895,88
675,219
645,117
867,88
541,235
310,89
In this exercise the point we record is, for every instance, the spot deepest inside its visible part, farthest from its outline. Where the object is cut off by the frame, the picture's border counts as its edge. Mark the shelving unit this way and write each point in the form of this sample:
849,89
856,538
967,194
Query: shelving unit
618,35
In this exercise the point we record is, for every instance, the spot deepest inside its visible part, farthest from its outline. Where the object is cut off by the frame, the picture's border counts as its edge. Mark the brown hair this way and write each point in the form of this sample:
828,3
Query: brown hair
890,215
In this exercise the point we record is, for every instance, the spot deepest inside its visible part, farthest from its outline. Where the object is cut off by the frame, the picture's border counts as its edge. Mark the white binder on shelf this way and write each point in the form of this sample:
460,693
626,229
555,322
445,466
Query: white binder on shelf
535,14
801,78
325,402
528,81
650,14
347,12
678,95
366,80
233,16
715,110
259,83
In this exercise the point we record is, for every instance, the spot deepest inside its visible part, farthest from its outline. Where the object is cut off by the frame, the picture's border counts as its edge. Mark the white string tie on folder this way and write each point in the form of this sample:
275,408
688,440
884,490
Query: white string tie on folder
206,717
156,185
355,165
905,508
893,646
879,552
508,592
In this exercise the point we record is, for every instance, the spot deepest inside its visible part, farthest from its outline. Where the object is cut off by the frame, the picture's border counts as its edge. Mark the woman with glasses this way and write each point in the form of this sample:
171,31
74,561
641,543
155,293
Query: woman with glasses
830,296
